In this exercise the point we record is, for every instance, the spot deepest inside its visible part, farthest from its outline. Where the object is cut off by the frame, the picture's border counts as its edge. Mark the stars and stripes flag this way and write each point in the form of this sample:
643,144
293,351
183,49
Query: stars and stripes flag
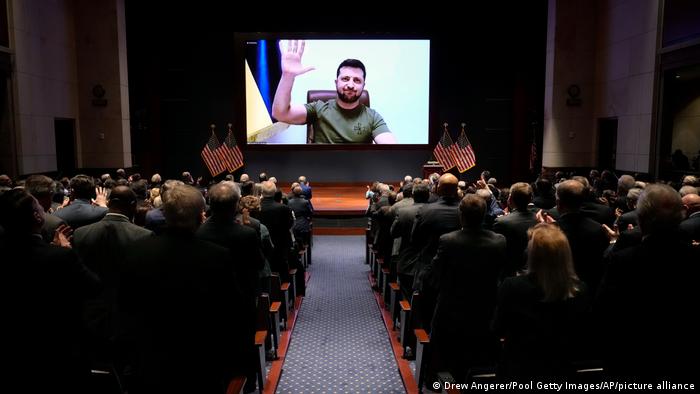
463,152
211,157
443,151
234,156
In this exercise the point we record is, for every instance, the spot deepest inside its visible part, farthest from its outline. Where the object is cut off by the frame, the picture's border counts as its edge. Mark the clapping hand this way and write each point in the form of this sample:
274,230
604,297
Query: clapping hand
62,236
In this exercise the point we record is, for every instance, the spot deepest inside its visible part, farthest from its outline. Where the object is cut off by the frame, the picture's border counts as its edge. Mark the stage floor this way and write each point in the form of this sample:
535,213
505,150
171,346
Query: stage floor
339,200
339,209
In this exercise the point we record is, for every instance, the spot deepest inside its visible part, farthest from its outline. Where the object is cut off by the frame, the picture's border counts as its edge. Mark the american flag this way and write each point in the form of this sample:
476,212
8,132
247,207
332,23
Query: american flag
443,151
233,152
463,152
211,157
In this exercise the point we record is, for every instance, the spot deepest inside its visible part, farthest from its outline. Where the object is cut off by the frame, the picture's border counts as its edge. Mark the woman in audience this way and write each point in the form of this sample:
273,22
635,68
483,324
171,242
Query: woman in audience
540,314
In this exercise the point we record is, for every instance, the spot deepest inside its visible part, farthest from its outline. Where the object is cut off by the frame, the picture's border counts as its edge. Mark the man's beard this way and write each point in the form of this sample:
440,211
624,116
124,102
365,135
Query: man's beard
349,100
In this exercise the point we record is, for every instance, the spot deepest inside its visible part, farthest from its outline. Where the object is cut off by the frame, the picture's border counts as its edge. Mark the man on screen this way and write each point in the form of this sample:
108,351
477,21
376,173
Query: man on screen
344,120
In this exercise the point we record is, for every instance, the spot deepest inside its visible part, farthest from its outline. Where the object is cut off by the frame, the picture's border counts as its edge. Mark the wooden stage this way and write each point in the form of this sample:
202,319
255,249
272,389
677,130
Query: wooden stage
339,199
339,208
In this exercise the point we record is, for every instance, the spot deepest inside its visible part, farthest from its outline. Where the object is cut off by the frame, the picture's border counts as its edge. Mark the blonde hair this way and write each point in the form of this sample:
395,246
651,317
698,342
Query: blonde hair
549,260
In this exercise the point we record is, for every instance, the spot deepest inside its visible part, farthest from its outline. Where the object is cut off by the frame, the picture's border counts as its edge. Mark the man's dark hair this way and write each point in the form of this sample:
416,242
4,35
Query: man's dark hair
82,186
262,177
39,185
122,199
354,63
17,212
421,193
471,211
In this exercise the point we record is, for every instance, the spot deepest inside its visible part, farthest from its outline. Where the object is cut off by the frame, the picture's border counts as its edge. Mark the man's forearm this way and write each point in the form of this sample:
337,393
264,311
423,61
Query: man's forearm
283,97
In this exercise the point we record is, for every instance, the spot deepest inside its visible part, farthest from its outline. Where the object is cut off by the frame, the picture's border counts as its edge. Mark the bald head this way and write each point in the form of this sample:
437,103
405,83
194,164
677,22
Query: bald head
122,200
268,189
691,203
447,185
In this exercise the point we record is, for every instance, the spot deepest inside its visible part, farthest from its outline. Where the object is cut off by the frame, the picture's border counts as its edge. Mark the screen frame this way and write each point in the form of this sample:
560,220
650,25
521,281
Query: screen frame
240,125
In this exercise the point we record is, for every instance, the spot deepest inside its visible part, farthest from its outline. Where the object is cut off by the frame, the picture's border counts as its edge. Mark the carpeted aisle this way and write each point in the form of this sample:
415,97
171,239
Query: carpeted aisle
339,343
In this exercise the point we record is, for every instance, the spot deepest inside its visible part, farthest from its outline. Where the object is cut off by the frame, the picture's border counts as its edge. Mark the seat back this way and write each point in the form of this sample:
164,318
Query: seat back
325,95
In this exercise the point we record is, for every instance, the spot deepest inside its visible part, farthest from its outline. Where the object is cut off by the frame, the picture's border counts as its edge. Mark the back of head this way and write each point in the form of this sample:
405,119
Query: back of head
485,194
262,177
5,181
447,185
549,259
156,179
268,189
244,178
82,186
659,210
251,203
520,195
421,193
167,186
20,213
471,211
407,190
140,188
633,196
624,184
122,200
223,198
39,185
691,202
691,180
684,191
570,195
302,180
296,190
183,209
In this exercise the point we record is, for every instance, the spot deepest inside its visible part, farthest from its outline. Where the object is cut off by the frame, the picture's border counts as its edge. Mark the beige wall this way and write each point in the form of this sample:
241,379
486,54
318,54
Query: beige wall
45,78
101,59
609,49
62,49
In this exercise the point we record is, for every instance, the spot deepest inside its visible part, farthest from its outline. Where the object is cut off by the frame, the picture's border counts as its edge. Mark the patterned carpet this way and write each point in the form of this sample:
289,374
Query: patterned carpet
339,344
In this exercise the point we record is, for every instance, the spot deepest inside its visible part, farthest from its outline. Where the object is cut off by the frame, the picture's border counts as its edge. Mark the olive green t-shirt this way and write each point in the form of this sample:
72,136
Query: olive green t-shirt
335,125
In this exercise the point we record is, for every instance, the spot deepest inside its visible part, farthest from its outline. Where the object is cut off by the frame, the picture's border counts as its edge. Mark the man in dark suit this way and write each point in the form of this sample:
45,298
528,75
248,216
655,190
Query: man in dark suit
591,208
514,227
431,222
587,237
81,211
41,187
279,220
102,246
43,294
302,215
181,303
647,296
246,251
305,188
466,269
401,228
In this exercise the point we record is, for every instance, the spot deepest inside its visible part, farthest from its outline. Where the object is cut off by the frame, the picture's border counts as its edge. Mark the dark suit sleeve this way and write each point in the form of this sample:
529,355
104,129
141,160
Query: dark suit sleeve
499,324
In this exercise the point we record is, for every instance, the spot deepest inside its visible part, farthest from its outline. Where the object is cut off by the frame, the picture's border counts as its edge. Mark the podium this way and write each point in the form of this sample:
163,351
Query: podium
430,168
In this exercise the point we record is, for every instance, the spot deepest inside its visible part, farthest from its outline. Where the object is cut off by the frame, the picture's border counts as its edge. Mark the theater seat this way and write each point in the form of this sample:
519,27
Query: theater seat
325,95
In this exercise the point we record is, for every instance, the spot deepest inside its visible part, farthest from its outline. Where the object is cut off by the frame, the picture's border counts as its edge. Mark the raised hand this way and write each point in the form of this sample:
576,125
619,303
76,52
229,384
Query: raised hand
291,58
100,196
